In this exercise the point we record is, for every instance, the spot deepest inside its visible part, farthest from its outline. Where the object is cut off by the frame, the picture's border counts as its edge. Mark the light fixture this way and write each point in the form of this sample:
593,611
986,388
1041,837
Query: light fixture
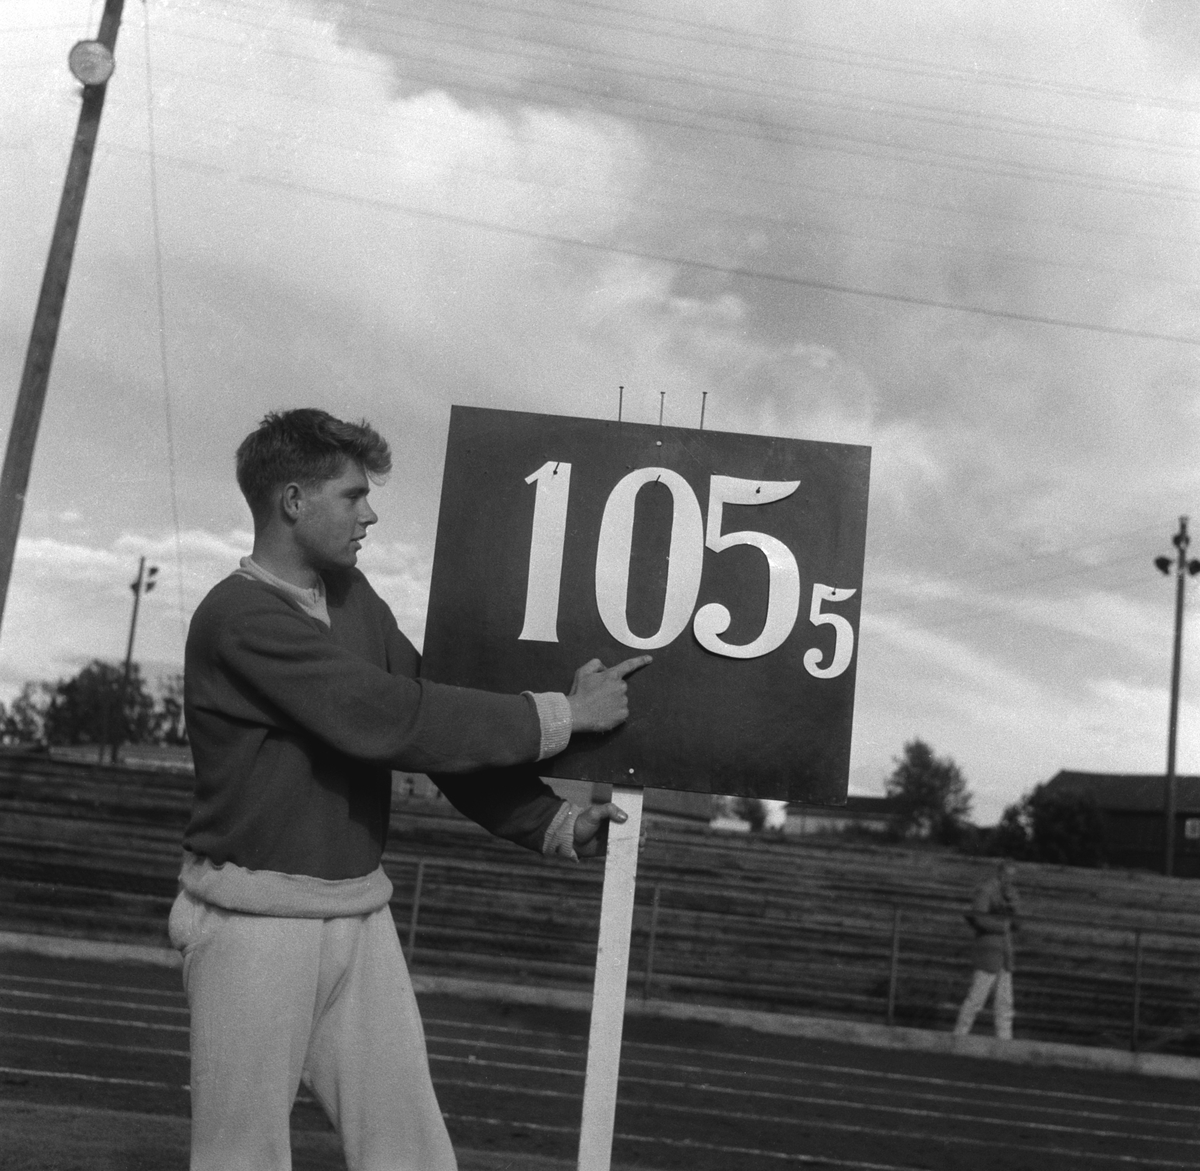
91,62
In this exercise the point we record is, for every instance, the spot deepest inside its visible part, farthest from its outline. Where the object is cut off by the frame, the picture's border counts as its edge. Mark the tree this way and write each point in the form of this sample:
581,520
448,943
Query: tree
88,708
1067,828
169,722
23,721
929,796
1051,826
1011,836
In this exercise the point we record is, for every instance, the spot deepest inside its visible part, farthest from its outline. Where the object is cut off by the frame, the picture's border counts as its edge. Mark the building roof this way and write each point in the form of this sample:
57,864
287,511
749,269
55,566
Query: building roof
1129,792
855,809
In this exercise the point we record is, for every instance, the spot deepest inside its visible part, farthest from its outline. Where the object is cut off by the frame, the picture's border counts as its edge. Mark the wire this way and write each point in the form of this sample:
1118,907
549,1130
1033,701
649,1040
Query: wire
696,78
837,54
40,28
873,104
746,127
683,261
162,321
995,567
1005,614
914,606
794,48
857,195
728,215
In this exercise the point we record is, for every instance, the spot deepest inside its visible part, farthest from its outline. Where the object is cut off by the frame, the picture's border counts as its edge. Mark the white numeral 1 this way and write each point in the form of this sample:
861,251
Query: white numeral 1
546,551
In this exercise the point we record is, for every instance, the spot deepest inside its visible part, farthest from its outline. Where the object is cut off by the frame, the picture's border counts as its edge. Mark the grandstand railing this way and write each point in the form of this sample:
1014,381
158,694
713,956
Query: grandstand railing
831,929
1147,971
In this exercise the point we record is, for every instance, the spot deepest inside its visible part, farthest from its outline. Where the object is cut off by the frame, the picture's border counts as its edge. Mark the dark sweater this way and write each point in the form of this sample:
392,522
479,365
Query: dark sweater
993,917
295,728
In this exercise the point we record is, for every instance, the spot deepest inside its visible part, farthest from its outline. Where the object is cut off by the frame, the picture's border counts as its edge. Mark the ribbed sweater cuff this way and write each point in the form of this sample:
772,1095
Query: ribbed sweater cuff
559,841
289,896
554,714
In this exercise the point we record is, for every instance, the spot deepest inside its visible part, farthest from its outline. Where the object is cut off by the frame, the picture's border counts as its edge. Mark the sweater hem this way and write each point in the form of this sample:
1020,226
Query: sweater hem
272,892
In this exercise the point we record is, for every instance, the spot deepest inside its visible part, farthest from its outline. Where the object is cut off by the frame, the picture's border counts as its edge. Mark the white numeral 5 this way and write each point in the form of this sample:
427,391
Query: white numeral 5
783,588
843,642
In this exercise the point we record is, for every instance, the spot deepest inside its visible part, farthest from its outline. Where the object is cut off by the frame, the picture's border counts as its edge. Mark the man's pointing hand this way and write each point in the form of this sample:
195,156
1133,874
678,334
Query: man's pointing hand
598,696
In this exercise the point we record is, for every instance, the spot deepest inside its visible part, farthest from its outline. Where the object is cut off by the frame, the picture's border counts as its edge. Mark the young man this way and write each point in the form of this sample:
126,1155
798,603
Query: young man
993,918
301,697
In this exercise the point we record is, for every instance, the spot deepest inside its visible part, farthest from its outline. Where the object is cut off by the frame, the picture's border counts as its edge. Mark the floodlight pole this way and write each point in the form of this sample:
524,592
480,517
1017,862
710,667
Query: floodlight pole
27,415
144,584
1183,568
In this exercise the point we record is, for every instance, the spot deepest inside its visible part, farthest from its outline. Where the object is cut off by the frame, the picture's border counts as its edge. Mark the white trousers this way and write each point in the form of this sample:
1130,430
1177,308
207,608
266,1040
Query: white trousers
328,1002
1002,1006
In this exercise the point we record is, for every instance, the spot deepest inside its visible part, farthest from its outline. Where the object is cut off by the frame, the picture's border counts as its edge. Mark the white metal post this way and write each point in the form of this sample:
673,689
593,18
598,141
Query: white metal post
608,996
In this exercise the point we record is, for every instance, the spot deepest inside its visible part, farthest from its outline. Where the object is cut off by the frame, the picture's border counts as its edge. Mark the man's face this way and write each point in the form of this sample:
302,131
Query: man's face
333,519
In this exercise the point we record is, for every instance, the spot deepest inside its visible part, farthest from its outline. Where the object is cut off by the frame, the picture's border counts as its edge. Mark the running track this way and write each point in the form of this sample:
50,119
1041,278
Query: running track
113,1037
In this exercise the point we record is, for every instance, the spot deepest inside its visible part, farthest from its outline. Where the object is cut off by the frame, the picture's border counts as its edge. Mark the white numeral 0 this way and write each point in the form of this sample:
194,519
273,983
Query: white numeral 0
684,560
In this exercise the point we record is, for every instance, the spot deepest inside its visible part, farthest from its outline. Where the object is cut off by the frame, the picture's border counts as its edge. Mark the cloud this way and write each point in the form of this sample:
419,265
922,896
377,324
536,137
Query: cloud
400,575
70,601
386,208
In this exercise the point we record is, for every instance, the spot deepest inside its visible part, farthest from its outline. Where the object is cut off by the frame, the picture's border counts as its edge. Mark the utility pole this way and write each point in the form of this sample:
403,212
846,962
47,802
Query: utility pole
1183,568
92,64
146,581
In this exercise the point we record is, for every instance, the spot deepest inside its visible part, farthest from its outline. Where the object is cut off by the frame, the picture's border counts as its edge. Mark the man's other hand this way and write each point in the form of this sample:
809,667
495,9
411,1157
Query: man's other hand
598,696
591,828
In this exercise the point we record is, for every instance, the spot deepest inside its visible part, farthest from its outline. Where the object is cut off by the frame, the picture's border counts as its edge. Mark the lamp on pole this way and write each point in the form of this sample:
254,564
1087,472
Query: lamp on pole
146,581
1183,569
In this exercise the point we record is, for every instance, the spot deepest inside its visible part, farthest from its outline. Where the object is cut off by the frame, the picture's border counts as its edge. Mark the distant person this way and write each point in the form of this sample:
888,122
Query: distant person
301,697
993,918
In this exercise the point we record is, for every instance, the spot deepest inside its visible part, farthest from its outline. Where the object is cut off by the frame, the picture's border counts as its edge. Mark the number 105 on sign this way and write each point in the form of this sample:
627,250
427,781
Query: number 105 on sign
735,559
684,566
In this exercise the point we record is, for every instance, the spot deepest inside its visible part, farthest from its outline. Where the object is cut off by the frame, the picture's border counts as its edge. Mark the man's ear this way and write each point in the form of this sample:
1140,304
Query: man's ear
291,501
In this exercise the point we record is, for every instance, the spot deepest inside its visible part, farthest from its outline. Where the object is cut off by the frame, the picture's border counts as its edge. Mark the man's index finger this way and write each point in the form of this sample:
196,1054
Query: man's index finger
630,665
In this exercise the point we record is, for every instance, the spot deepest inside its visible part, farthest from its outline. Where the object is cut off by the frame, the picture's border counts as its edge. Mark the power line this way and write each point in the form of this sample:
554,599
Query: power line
1078,571
991,568
162,320
796,48
728,215
749,128
791,186
683,261
838,54
699,78
40,28
993,213
1001,611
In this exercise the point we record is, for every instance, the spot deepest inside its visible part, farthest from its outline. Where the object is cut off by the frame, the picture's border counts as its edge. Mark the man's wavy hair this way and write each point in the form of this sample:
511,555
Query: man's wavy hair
305,446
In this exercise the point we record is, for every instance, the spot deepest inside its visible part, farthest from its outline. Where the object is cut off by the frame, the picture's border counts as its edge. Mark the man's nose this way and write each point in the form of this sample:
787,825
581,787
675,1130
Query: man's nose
368,516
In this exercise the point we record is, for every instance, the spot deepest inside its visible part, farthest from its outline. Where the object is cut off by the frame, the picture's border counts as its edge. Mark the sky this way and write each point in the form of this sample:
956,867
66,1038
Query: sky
962,232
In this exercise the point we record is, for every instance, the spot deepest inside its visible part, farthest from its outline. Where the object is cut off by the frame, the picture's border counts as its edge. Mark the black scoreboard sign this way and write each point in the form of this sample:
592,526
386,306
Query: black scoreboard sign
735,560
